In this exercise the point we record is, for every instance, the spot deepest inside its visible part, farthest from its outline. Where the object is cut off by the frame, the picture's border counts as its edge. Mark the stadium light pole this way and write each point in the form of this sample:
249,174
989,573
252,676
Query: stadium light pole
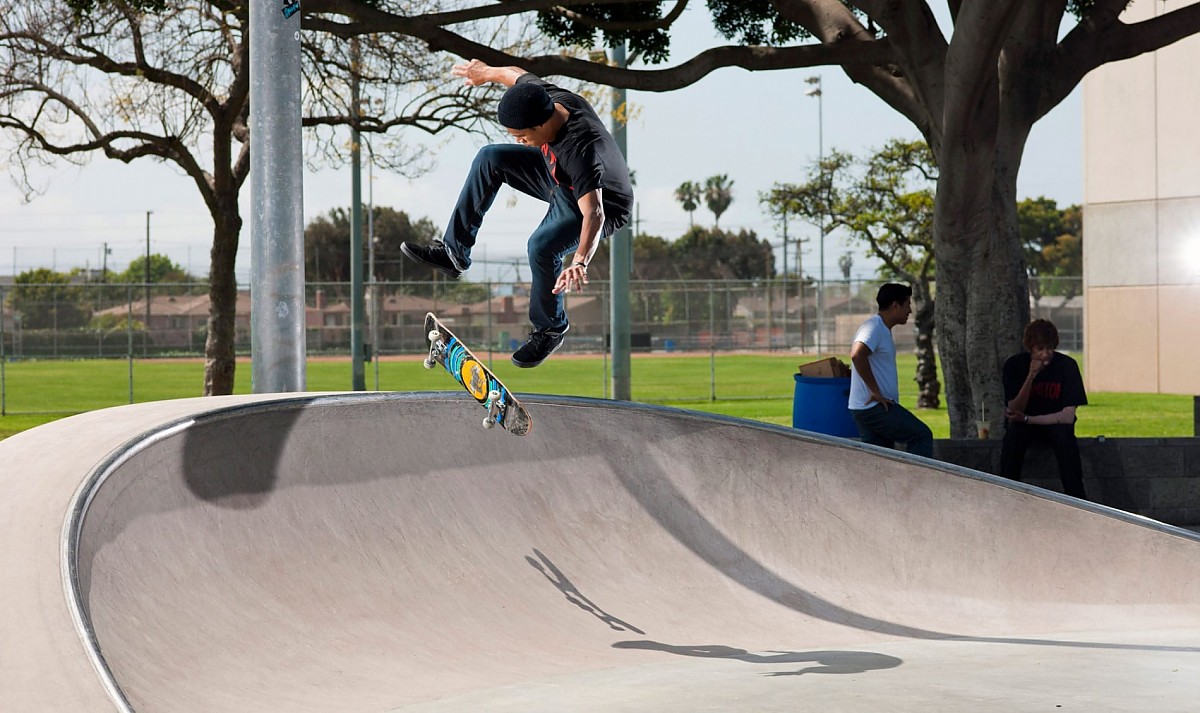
358,381
815,91
147,271
373,316
277,304
620,260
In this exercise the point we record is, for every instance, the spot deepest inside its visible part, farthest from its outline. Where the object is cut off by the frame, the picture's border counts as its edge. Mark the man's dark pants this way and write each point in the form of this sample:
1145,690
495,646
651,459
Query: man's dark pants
523,168
883,427
1060,436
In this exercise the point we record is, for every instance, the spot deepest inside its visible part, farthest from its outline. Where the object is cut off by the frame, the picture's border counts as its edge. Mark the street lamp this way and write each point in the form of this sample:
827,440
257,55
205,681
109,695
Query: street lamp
815,91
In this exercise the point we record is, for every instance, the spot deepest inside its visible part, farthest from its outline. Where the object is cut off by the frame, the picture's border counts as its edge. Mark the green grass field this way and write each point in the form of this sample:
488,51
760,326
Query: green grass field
758,387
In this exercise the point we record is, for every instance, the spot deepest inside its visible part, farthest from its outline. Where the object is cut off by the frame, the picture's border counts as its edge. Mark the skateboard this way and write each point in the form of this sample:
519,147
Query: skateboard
448,350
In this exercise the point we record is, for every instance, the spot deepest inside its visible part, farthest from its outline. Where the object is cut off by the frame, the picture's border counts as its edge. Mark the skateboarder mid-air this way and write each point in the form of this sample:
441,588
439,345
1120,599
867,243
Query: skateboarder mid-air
564,156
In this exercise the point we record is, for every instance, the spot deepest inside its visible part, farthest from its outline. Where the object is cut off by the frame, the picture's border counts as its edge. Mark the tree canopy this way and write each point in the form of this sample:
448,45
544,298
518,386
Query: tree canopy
46,299
885,201
327,245
172,84
162,269
699,254
973,92
718,195
1053,240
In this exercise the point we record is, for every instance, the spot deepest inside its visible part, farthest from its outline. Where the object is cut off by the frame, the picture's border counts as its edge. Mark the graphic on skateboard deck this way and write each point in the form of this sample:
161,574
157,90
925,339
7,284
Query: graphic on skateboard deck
479,381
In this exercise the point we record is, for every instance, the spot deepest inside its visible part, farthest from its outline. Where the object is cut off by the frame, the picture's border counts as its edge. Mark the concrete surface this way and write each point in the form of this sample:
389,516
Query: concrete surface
385,553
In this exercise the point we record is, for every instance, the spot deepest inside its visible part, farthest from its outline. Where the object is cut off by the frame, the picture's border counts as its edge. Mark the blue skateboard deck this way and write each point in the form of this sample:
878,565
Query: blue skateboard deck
448,350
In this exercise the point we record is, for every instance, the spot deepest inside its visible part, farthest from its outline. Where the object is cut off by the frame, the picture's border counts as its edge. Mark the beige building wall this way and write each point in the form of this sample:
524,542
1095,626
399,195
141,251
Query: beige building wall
1141,218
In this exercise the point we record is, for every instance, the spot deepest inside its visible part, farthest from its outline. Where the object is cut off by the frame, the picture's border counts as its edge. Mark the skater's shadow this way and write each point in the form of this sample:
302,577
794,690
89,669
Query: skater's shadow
573,595
823,661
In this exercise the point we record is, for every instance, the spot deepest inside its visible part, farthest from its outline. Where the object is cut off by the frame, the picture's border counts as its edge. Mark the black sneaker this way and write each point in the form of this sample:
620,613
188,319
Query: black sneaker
436,256
542,343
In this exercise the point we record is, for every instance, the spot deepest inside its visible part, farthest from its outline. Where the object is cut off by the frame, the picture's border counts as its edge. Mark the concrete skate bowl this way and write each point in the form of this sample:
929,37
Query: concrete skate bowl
386,553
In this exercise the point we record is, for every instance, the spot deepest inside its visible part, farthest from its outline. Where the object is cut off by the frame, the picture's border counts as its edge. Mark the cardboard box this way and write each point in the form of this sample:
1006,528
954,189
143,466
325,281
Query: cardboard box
827,367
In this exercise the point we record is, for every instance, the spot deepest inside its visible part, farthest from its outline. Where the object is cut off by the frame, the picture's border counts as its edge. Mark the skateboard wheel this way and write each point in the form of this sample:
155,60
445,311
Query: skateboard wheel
489,422
434,335
429,363
493,395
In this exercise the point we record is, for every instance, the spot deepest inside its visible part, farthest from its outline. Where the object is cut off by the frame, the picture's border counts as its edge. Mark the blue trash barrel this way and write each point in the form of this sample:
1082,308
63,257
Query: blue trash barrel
820,406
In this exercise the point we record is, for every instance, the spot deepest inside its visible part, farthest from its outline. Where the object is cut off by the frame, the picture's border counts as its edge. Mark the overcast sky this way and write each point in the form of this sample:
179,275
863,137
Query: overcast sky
759,128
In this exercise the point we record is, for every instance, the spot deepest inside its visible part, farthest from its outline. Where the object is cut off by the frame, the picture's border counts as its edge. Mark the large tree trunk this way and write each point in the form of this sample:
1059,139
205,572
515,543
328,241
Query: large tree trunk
220,360
982,302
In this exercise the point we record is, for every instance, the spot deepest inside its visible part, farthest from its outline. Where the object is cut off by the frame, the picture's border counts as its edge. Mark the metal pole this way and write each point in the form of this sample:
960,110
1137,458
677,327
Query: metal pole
3,358
146,331
620,262
606,301
374,316
129,334
488,335
770,313
276,191
785,281
820,159
357,378
712,344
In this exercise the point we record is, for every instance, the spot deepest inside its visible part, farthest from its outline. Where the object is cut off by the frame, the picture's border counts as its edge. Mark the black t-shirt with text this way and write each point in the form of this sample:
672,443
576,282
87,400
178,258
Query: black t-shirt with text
584,156
1058,385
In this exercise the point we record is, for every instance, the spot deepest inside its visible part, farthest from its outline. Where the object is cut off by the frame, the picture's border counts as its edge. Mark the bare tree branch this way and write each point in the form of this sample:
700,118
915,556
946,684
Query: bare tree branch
611,26
1099,40
508,8
662,80
175,87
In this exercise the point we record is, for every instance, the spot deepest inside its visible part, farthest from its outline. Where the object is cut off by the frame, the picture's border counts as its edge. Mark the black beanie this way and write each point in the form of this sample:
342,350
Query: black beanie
524,106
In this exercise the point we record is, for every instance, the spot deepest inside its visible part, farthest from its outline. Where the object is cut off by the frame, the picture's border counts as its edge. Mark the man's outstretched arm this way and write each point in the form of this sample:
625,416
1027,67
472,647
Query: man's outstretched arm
476,73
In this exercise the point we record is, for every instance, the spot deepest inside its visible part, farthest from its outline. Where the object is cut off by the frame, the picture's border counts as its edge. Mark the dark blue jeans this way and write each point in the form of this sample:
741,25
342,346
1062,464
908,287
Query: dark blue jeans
523,168
1060,436
881,427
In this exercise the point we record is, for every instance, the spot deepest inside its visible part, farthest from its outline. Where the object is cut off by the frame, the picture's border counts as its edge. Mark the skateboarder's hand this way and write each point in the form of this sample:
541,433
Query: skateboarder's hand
880,399
474,72
571,279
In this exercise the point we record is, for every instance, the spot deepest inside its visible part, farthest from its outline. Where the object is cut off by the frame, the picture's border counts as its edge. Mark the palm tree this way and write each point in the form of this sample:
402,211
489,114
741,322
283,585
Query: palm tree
845,262
688,195
718,194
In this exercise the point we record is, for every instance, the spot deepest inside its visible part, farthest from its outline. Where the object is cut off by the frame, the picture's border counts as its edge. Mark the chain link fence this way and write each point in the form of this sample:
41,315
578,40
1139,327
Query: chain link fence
137,322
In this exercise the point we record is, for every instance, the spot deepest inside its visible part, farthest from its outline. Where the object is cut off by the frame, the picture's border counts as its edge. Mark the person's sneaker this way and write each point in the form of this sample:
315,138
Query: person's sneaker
436,256
542,343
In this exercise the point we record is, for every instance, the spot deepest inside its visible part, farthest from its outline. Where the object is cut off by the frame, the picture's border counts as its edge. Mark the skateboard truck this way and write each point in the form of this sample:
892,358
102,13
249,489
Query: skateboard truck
494,409
436,347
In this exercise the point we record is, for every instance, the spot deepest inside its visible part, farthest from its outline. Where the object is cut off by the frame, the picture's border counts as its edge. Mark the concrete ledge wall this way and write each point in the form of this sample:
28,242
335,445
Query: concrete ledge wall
1158,478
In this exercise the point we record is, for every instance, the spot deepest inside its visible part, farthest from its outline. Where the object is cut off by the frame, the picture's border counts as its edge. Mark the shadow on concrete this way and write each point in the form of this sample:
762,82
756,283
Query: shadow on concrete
574,596
832,662
233,460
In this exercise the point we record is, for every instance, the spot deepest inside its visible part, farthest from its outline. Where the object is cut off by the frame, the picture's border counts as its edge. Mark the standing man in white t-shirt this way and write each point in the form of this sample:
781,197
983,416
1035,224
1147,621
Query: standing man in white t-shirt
874,385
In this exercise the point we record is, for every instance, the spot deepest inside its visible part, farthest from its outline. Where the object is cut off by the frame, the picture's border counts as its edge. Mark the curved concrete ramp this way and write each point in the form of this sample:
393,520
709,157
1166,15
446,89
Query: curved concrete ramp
385,553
